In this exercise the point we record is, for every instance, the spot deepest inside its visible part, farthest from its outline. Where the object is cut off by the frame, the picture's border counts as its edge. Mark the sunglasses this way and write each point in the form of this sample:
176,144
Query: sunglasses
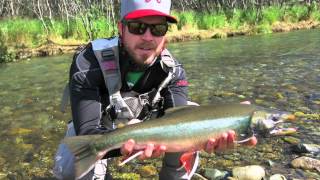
139,28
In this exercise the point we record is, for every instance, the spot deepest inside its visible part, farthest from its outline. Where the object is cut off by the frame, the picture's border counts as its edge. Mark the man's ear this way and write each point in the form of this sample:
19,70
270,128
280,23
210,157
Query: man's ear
120,26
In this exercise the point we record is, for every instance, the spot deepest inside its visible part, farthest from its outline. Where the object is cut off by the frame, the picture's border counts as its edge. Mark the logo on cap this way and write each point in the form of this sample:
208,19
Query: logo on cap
159,1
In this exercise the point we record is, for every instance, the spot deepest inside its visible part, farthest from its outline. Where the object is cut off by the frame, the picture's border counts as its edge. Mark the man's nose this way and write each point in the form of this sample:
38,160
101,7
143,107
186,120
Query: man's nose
147,36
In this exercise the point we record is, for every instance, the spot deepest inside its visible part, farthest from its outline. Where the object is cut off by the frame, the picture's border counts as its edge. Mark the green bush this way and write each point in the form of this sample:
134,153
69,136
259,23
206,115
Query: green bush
22,32
60,28
187,18
297,13
235,20
103,28
264,28
249,16
315,11
211,21
5,56
272,14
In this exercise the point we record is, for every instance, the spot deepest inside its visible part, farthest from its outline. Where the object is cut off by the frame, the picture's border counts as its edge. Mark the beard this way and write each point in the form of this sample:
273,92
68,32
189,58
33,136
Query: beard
144,54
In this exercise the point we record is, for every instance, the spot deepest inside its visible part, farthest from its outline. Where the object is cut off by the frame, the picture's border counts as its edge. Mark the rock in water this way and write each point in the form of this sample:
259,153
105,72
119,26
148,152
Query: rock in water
252,172
306,148
277,177
306,163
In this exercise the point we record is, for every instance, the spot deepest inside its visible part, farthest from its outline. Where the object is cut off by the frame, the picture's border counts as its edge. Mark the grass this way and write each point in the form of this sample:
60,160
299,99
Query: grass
297,13
315,11
187,19
30,32
212,21
6,56
20,32
272,14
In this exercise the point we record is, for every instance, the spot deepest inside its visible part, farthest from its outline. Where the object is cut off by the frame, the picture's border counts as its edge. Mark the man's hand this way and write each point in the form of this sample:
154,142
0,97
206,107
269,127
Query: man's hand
150,150
226,141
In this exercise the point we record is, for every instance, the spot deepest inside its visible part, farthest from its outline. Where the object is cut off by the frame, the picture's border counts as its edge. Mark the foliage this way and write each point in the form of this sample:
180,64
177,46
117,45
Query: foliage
249,16
211,21
297,13
272,14
79,21
103,28
187,19
5,55
22,32
315,11
235,20
264,28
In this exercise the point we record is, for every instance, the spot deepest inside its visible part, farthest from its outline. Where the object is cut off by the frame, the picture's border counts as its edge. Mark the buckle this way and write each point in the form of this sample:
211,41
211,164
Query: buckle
144,98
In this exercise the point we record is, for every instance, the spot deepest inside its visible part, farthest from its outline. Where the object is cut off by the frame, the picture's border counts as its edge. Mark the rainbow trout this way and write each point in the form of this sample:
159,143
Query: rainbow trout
182,129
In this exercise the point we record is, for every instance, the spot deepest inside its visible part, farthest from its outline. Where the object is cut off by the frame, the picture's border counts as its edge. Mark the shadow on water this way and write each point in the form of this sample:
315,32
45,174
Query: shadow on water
278,71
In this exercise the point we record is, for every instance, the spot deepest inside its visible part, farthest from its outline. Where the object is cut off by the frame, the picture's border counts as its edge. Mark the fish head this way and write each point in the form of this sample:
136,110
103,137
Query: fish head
271,122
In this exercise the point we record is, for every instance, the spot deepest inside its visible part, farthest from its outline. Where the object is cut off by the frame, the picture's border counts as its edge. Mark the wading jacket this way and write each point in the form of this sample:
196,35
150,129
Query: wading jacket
89,95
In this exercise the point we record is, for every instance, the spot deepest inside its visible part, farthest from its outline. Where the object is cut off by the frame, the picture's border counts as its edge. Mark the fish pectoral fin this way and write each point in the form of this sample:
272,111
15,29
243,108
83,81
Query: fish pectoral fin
187,160
131,158
251,141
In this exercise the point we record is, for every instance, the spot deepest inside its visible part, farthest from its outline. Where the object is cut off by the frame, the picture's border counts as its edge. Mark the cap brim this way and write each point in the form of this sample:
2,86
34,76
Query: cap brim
147,12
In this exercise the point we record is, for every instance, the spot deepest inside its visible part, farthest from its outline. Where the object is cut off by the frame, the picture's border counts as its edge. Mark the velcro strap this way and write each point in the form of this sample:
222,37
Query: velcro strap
108,63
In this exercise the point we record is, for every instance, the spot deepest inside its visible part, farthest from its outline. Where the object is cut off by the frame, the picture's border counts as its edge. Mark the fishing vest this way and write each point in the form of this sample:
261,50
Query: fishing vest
128,105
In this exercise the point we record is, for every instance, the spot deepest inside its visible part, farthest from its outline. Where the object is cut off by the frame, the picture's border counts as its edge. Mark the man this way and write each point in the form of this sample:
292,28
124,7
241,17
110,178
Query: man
108,75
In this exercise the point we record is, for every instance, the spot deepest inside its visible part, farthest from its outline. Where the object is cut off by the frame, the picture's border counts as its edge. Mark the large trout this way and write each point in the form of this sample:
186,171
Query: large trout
182,129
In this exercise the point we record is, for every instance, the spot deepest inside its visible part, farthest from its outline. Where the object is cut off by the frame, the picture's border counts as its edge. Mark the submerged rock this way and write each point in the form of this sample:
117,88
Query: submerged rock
2,162
253,172
20,131
291,140
214,174
277,177
147,171
306,163
306,148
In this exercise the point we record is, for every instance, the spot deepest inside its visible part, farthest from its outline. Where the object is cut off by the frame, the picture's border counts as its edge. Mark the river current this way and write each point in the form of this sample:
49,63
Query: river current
280,71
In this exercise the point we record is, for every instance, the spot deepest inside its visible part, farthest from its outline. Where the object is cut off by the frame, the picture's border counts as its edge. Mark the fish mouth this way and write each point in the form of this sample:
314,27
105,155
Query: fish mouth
273,124
280,126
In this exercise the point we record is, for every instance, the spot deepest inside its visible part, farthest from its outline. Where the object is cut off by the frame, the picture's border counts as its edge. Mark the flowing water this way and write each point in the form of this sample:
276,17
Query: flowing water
279,71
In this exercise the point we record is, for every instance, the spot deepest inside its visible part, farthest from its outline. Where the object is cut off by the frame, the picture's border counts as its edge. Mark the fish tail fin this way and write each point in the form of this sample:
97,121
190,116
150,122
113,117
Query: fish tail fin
85,155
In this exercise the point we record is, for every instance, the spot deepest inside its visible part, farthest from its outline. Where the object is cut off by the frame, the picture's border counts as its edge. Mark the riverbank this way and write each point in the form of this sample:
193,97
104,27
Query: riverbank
174,35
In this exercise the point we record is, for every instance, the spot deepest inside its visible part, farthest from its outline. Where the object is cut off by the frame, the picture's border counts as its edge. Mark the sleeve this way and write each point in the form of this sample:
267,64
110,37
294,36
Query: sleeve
86,84
176,93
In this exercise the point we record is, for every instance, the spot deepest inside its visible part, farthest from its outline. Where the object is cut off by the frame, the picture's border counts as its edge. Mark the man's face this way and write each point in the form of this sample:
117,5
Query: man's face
146,47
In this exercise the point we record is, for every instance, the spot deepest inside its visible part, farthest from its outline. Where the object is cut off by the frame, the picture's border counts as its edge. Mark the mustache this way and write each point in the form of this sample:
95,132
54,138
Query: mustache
149,45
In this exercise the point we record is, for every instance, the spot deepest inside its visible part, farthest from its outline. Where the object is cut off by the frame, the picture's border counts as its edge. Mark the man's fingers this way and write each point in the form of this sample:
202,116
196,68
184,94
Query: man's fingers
147,152
211,144
127,147
252,142
231,139
223,140
159,150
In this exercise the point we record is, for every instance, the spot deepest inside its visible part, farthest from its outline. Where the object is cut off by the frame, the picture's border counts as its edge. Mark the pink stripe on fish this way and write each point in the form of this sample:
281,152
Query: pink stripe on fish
109,65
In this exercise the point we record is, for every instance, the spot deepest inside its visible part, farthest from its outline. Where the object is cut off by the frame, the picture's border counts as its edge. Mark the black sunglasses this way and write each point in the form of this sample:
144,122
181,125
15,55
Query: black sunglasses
140,28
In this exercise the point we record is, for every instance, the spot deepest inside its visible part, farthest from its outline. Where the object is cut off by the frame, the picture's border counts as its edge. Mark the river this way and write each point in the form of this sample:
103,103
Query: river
279,71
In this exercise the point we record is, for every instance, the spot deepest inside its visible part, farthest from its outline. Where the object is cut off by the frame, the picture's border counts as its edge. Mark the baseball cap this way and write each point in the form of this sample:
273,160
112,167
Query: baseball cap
132,9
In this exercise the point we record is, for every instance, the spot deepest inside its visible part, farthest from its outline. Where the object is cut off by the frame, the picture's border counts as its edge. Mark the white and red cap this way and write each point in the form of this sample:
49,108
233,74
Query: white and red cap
132,9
